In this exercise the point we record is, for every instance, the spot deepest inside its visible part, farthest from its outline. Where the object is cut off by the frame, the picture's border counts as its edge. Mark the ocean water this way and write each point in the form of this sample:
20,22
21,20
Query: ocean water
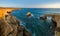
33,24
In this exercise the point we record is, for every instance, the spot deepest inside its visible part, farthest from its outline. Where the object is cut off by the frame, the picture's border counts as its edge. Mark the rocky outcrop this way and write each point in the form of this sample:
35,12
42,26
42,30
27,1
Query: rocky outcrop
22,31
56,19
3,10
9,26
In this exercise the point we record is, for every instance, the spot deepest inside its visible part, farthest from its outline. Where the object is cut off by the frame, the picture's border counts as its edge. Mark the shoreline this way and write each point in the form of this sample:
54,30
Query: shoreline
5,9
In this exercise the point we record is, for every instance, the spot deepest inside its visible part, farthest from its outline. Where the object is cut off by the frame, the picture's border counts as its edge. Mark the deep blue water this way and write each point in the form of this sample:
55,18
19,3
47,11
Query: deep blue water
34,24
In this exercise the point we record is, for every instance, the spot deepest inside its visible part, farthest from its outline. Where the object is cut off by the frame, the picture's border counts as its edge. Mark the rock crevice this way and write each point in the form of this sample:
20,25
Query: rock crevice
9,26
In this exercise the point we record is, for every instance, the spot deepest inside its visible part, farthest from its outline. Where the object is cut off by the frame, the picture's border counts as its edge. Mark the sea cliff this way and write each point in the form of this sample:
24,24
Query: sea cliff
5,9
56,18
9,25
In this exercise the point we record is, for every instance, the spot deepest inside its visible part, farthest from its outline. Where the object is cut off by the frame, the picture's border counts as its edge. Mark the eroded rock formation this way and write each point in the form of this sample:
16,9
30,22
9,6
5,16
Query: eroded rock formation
56,18
9,26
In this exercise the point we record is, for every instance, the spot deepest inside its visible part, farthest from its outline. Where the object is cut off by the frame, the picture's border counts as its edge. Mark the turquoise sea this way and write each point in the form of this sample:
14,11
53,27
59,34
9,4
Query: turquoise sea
33,24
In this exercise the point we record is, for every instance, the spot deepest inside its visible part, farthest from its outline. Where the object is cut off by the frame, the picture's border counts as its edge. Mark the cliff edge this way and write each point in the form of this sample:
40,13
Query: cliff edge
5,9
9,26
56,18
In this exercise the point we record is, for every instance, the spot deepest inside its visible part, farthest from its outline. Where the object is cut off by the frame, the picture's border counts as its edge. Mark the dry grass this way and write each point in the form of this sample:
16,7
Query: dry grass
57,33
4,10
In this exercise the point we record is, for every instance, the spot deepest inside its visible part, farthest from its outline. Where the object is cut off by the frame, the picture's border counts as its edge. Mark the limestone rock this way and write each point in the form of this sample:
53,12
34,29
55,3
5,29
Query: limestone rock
55,18
23,32
9,26
28,14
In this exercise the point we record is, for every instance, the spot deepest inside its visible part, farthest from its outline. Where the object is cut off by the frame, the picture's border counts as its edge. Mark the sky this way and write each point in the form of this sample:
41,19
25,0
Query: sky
30,3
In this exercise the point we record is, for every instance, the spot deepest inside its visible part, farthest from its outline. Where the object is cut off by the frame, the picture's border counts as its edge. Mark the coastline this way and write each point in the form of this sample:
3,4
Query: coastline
5,9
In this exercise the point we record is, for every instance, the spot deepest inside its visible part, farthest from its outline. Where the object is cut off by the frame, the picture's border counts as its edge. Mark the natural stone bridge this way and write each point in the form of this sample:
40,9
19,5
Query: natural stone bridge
56,18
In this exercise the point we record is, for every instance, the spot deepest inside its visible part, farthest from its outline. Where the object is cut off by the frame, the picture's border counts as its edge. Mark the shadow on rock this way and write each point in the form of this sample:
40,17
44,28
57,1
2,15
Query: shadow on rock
9,26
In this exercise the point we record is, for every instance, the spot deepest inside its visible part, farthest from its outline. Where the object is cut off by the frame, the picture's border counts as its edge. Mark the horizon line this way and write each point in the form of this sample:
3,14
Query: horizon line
23,7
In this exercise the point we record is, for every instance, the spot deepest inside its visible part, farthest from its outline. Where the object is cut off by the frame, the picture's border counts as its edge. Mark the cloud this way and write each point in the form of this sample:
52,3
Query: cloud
48,5
52,5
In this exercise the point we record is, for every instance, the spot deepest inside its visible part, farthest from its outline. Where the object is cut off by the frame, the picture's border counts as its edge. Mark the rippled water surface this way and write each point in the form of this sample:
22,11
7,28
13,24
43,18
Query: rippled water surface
34,24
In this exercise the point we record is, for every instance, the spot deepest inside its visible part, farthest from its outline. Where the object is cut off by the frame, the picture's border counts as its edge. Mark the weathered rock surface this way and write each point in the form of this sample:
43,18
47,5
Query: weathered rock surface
55,18
9,26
